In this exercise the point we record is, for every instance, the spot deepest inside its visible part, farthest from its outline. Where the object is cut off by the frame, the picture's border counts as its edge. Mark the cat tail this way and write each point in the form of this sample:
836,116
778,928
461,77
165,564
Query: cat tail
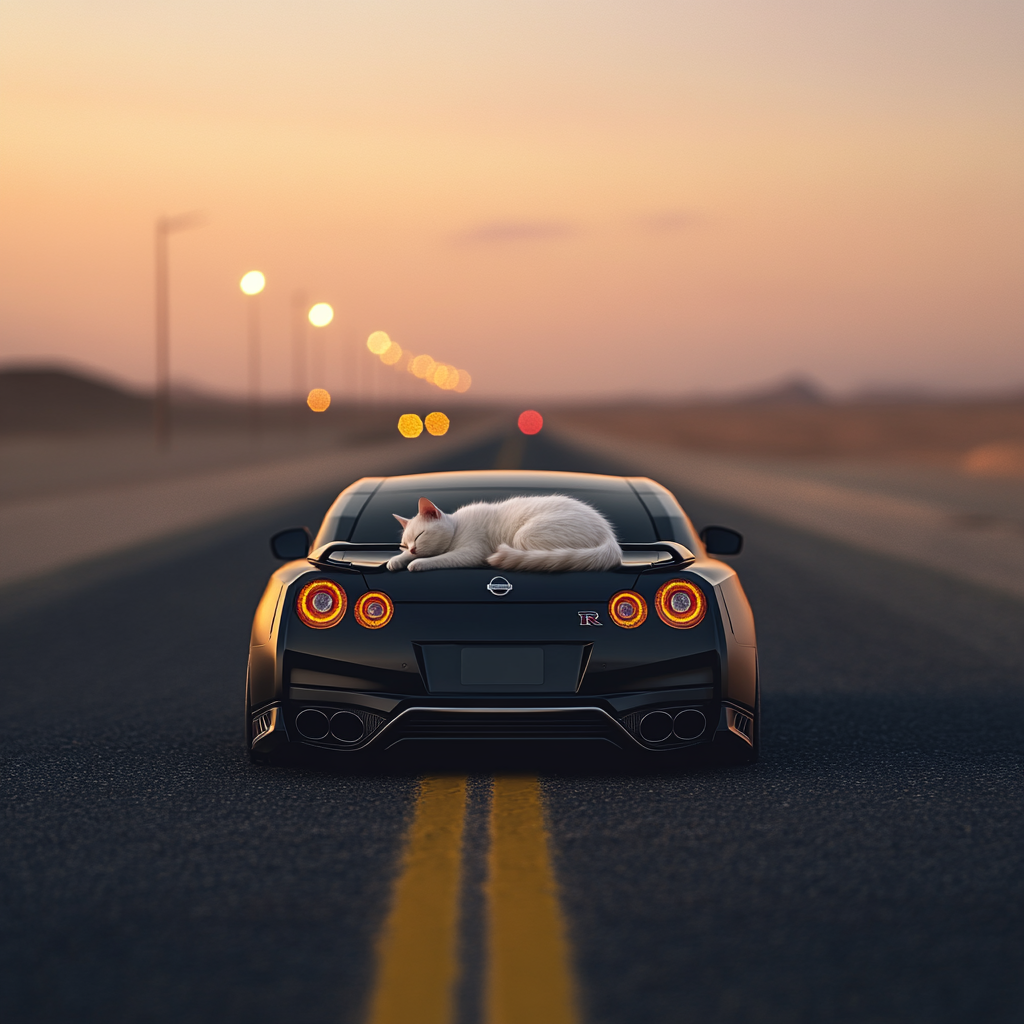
606,556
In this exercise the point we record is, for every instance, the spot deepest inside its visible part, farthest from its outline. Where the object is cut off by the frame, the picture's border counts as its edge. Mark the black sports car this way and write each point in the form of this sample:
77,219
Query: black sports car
656,656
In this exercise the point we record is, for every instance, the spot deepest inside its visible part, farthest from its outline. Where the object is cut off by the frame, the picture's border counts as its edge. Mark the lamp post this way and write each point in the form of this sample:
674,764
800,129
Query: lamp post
165,226
299,354
320,315
252,284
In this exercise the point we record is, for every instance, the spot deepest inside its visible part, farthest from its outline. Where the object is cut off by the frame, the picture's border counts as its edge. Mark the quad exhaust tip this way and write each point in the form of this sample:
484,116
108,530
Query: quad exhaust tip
344,726
658,726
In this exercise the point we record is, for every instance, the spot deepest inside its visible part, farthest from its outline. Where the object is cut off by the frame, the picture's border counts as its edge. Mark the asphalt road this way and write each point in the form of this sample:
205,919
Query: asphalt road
866,870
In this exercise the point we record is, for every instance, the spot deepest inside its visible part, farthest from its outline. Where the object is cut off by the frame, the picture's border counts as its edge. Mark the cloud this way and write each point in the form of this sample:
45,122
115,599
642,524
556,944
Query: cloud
507,231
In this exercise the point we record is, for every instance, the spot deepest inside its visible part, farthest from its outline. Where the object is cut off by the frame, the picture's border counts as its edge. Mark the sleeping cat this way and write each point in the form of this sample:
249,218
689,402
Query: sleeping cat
547,533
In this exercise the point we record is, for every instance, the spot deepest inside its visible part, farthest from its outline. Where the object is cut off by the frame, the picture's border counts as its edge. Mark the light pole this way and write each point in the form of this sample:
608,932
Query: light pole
252,284
162,404
299,353
320,315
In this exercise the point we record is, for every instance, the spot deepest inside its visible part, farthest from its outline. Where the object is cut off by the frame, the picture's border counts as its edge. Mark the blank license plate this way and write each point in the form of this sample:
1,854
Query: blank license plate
502,666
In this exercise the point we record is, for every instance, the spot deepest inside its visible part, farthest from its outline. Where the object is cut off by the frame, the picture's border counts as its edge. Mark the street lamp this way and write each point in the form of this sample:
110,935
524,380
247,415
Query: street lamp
320,315
299,353
165,226
252,284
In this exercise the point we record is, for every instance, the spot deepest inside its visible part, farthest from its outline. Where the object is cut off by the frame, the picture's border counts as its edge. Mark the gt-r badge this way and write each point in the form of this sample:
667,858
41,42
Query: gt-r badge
499,586
589,619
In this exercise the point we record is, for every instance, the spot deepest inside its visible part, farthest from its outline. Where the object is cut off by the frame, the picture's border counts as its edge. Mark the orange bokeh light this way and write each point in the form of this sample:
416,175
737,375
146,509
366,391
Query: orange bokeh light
422,367
378,342
410,425
437,423
318,399
391,354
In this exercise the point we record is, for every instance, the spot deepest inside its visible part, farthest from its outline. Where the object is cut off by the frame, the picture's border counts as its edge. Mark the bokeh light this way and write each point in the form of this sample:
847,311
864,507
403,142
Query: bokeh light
410,425
318,400
321,314
422,367
441,375
252,283
391,354
437,423
378,342
530,421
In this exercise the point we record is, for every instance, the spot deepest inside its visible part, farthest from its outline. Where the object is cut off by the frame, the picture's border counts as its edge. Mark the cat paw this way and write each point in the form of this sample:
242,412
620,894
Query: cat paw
416,566
395,564
497,560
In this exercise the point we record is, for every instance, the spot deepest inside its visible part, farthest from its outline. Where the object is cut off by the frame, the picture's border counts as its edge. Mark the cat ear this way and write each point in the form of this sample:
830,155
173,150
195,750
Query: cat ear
429,510
404,522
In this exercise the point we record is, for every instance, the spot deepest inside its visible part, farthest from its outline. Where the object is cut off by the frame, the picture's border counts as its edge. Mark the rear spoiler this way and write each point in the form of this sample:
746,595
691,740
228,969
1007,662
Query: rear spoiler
332,556
680,557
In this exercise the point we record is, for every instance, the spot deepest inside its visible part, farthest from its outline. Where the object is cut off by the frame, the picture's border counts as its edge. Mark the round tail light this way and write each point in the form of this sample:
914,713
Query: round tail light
627,609
680,604
374,610
321,604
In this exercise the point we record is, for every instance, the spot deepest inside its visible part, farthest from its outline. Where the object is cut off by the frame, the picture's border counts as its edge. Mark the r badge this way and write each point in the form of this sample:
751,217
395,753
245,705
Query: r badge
589,619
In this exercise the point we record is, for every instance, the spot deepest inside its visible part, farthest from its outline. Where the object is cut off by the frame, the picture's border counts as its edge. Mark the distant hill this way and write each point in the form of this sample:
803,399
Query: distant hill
794,391
47,399
55,400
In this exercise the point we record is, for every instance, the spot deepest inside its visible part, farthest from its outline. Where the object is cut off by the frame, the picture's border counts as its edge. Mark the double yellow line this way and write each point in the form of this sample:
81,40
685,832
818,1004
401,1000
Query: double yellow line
527,978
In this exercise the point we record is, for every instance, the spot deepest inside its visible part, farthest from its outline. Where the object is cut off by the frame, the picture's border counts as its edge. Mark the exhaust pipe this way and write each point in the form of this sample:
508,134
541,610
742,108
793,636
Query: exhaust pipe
689,724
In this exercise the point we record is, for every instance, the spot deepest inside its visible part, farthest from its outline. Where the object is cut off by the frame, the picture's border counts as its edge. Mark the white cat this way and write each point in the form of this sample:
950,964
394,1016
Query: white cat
546,533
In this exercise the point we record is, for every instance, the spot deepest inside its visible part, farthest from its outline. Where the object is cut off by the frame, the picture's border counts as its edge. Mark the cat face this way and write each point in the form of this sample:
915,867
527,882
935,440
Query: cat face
429,532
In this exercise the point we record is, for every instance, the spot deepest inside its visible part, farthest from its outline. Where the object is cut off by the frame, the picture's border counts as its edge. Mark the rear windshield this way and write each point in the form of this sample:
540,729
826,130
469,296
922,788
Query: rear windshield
623,509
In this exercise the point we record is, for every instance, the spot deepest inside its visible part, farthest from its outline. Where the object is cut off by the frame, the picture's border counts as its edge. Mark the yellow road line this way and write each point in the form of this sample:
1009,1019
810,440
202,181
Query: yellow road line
529,978
418,951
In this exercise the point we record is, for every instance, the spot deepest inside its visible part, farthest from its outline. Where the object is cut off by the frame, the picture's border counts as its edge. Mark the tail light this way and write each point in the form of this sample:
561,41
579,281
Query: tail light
321,604
680,603
627,609
374,610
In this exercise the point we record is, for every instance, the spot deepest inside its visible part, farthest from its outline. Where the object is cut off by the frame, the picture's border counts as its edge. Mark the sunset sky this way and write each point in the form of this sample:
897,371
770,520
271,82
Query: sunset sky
565,198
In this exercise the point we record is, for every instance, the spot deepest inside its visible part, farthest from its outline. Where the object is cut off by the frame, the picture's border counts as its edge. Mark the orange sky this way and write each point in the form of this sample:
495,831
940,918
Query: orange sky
565,198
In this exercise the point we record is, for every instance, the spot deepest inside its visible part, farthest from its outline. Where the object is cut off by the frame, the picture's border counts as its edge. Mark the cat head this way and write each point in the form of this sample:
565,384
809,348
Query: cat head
429,532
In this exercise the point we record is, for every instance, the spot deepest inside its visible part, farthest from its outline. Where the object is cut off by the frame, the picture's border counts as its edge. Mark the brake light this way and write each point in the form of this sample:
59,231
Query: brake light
680,604
321,604
374,610
627,609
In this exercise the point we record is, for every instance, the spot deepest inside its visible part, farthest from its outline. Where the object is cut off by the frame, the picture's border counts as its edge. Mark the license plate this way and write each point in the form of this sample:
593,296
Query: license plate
503,666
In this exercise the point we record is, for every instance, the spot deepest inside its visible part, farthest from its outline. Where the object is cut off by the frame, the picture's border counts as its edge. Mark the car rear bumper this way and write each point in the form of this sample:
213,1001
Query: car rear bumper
652,721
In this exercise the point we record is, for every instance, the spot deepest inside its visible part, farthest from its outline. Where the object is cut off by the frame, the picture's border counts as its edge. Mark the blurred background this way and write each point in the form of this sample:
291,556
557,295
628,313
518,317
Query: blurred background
768,230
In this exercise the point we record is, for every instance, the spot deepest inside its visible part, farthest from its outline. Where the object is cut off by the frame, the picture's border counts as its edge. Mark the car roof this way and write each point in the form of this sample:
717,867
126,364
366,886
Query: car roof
636,506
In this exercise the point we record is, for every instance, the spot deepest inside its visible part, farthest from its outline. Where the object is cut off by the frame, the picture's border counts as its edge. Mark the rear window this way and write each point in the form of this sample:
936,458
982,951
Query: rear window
623,509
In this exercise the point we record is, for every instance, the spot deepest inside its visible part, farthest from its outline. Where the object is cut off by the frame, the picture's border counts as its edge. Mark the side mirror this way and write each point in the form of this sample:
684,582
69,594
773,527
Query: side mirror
720,540
291,544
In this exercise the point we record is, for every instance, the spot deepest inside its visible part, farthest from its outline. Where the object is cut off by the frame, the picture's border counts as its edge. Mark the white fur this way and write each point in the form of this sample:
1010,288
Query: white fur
545,533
